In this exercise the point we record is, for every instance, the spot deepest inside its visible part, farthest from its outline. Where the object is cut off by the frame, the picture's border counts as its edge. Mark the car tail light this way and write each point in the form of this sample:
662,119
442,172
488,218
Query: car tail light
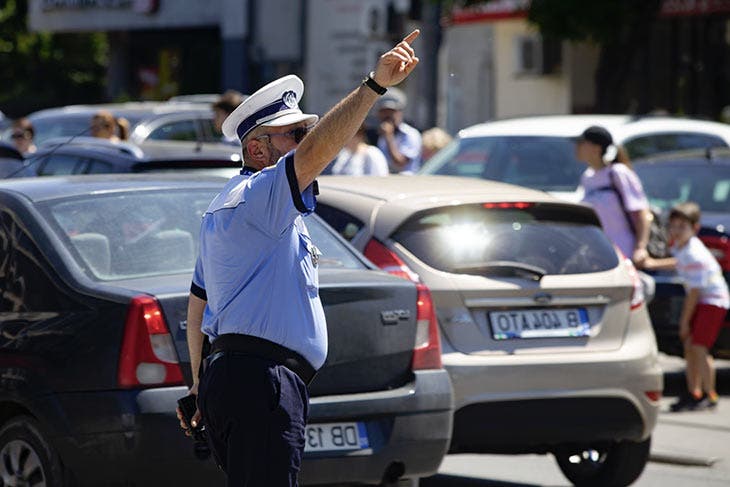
148,355
653,396
637,296
427,351
509,205
719,246
384,258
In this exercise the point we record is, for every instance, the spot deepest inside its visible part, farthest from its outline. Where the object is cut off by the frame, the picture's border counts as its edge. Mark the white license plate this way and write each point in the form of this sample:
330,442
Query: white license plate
539,323
336,436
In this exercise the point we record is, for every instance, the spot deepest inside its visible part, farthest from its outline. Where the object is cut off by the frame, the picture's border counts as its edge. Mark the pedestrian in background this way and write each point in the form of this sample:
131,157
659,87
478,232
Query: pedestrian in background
434,139
224,106
255,286
705,304
399,142
615,193
358,158
105,126
21,135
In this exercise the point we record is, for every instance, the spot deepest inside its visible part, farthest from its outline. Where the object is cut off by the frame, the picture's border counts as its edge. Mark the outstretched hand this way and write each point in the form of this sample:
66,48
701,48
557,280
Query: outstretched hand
395,65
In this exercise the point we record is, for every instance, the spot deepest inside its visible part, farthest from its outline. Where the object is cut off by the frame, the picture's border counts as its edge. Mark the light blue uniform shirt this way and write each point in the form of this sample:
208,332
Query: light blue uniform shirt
257,264
408,140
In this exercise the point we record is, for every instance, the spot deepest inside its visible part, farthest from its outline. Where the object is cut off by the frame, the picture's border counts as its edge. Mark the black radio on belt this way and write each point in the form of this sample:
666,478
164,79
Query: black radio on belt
188,405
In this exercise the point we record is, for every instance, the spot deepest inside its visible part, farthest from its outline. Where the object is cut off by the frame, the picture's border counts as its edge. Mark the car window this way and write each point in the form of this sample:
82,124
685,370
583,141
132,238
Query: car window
150,233
647,145
545,163
668,184
335,254
209,132
98,167
557,239
130,235
59,164
181,130
344,223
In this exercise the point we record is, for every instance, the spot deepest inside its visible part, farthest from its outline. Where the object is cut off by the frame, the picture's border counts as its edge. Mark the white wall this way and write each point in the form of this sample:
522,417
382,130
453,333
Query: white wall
521,94
466,86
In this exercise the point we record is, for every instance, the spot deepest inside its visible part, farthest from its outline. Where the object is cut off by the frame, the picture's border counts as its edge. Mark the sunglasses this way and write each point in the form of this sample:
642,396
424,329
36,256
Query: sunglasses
297,134
18,135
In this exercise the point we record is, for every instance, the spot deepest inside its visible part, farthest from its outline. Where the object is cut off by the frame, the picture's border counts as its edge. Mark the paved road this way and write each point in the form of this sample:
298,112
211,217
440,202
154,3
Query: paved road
689,449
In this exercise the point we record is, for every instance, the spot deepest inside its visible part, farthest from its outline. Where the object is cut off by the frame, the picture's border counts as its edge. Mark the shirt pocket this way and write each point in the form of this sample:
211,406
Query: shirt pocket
308,259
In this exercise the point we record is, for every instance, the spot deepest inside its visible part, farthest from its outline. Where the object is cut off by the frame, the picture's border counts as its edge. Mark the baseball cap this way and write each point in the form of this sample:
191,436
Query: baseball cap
597,135
394,99
274,105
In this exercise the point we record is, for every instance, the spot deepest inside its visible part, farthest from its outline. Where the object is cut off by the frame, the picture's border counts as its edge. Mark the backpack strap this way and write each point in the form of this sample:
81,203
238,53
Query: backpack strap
614,186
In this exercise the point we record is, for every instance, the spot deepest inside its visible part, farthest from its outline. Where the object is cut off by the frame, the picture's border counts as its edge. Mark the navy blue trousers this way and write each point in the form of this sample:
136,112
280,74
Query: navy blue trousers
255,413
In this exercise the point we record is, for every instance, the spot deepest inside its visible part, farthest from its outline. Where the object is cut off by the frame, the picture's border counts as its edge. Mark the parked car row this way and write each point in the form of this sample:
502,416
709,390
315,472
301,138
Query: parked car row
464,315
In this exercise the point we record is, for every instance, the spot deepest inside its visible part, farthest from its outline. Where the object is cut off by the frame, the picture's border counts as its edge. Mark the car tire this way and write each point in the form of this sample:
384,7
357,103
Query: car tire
402,483
26,458
607,465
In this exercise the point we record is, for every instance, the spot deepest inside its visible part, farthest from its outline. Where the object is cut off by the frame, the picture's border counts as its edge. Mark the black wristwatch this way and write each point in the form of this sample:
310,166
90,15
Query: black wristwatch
373,85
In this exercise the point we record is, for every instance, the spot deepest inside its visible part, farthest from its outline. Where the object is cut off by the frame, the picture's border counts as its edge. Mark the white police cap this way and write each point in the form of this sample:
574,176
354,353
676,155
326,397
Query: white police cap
274,105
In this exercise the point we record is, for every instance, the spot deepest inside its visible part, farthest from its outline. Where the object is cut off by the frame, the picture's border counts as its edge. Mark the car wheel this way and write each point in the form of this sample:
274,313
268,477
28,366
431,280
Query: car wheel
606,465
26,458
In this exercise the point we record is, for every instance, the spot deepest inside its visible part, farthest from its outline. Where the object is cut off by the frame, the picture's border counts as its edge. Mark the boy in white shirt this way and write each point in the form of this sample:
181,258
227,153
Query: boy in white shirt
705,305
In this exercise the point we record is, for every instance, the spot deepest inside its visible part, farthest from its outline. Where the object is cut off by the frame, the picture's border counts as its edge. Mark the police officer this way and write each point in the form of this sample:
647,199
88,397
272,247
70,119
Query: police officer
255,288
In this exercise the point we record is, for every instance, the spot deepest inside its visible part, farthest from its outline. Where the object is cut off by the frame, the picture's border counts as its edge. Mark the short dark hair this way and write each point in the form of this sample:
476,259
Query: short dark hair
229,101
688,211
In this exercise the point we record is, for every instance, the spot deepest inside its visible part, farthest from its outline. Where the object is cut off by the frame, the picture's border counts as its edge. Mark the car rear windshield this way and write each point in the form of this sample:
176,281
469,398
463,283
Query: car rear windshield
151,233
545,163
557,239
668,184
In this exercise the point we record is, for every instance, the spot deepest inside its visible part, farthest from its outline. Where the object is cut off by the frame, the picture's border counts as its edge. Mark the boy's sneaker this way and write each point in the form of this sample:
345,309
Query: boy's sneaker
707,402
686,402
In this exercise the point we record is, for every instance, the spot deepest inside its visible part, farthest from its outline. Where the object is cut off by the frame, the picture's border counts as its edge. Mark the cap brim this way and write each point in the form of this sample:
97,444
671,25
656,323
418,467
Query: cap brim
292,118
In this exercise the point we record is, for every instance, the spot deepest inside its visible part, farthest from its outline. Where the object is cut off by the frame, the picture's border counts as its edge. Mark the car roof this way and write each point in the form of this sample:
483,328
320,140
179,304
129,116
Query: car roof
141,107
149,151
54,187
405,195
622,127
427,190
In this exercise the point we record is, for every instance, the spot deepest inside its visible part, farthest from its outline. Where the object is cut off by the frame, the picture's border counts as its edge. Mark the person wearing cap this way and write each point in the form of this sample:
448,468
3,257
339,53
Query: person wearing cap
399,142
255,286
615,193
222,107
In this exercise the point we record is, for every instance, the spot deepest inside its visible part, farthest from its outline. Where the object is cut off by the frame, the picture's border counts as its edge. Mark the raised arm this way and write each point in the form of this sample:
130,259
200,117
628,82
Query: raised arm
342,121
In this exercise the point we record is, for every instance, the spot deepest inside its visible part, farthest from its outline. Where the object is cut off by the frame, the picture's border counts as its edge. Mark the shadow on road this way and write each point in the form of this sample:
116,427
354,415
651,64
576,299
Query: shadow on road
458,481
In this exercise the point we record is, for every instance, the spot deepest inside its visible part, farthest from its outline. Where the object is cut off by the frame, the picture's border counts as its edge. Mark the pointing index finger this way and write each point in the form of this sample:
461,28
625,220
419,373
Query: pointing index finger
412,36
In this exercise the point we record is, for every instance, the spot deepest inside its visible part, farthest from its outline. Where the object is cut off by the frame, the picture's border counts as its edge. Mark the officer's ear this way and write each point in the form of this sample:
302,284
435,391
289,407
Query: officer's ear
257,150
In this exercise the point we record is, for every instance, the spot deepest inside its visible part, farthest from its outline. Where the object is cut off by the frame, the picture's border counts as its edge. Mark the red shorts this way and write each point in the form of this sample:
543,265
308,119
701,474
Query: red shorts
706,324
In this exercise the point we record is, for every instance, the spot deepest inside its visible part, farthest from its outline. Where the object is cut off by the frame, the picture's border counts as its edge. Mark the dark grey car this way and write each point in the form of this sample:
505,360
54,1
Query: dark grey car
95,274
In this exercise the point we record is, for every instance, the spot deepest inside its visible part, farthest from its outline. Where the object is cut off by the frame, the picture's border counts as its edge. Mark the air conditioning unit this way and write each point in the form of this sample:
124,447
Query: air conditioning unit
535,55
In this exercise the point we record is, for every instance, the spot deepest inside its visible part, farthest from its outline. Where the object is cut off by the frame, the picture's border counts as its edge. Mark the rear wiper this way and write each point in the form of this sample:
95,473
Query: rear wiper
506,268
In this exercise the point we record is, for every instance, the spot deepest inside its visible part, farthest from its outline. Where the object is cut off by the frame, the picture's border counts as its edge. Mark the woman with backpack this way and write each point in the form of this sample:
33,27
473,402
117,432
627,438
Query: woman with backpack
615,192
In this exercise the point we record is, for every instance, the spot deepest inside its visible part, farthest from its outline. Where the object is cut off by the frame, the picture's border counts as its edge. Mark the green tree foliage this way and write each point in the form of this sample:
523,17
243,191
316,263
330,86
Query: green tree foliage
40,69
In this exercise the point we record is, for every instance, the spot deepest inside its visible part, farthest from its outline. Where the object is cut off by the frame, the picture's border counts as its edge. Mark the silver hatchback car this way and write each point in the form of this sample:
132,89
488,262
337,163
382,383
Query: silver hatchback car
545,332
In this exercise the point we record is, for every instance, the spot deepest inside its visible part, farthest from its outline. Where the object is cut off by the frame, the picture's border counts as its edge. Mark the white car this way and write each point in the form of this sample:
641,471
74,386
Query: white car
538,152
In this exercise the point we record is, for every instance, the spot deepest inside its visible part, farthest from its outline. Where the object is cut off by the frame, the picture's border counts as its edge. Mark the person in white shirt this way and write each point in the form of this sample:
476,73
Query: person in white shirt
358,158
705,305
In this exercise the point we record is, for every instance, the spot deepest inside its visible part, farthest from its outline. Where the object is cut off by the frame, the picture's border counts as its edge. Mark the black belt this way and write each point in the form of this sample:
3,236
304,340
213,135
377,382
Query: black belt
234,343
